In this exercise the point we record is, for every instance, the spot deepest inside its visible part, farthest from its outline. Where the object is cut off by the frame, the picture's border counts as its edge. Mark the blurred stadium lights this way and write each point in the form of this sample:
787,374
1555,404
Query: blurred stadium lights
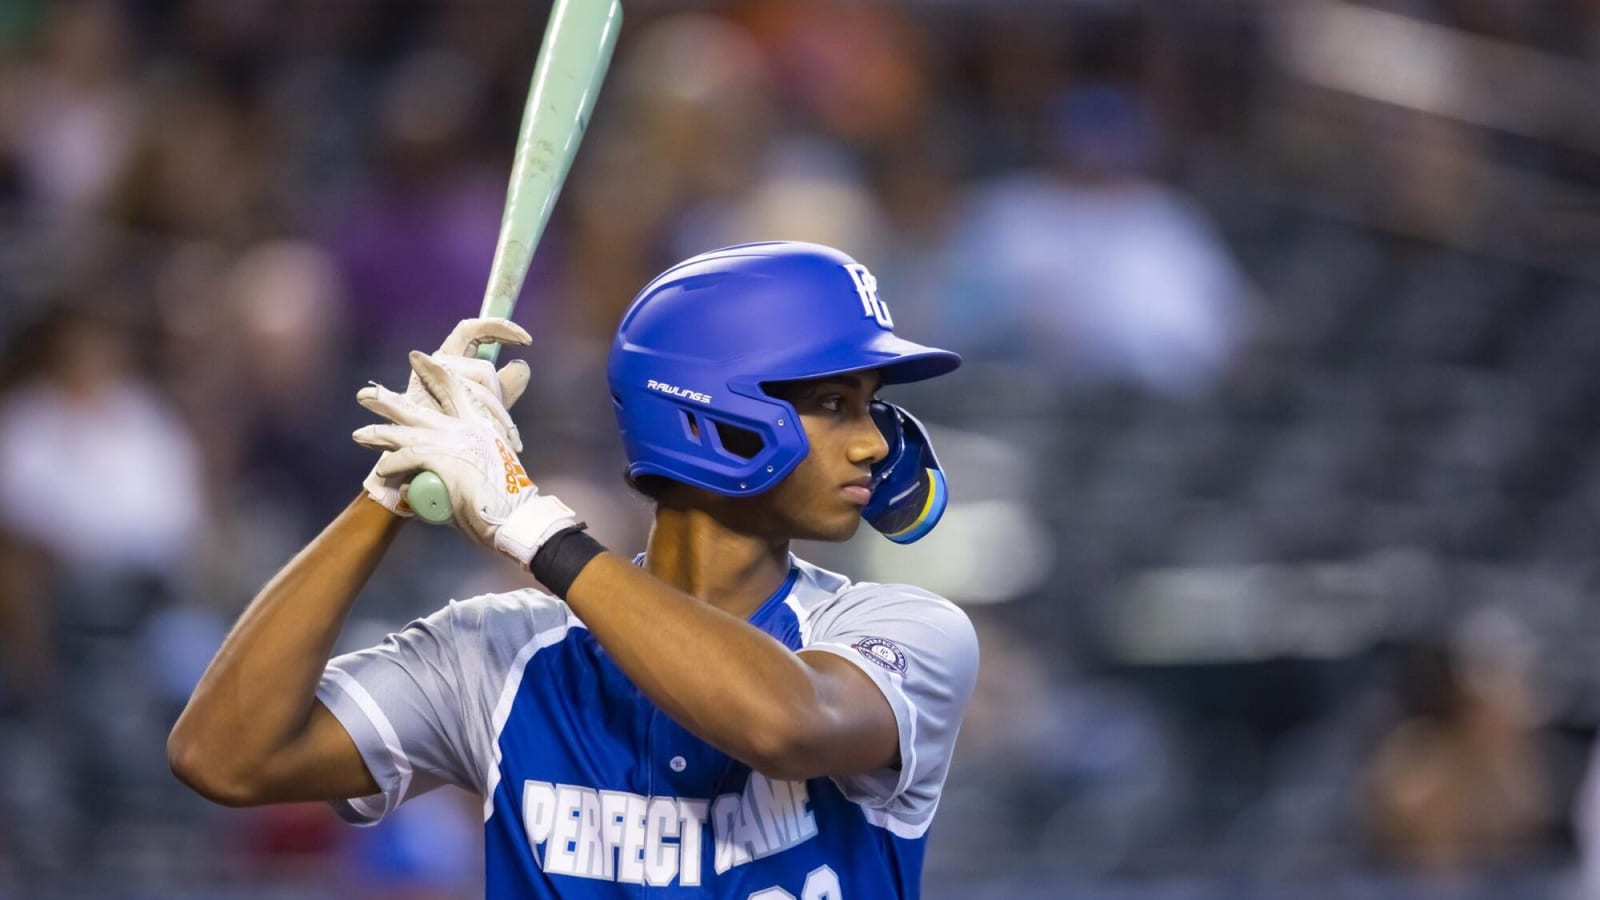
1326,611
1396,59
1228,614
1420,101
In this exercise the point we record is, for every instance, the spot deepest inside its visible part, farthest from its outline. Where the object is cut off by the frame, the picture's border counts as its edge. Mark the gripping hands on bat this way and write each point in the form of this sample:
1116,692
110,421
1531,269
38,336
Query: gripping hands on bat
454,421
459,354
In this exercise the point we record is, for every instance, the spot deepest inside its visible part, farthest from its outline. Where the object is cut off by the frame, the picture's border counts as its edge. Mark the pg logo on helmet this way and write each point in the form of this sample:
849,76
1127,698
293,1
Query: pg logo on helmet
867,286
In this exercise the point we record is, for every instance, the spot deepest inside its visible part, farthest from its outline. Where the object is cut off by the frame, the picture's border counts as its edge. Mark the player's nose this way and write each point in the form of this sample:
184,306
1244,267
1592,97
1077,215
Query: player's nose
867,444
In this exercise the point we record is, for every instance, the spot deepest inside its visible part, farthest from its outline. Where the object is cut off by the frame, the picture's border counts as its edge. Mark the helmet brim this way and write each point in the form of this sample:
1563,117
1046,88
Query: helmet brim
896,359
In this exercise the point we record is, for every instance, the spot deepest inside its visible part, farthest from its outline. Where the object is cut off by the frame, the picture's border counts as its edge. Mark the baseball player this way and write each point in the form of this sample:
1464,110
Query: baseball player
714,718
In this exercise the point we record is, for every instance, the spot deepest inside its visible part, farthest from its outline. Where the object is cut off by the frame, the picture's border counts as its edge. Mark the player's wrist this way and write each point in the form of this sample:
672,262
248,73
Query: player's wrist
532,523
563,558
387,494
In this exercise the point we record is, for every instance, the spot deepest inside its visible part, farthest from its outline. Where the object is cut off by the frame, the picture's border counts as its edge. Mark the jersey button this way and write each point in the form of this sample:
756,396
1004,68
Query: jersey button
678,764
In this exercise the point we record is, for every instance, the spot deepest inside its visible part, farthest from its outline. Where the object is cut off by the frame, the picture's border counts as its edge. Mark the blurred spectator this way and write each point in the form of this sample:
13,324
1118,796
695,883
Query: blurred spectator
673,156
201,165
1456,786
69,116
288,303
94,466
1091,270
854,71
100,497
808,189
416,242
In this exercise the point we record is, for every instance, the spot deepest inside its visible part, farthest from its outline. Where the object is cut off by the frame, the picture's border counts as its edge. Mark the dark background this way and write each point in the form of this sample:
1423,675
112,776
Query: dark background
1274,462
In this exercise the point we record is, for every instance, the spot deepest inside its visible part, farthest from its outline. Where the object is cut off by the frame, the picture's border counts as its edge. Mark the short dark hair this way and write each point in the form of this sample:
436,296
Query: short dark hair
650,487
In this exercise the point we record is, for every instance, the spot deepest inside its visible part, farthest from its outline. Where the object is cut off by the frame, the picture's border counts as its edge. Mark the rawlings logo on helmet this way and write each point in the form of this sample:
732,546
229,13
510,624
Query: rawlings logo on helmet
676,391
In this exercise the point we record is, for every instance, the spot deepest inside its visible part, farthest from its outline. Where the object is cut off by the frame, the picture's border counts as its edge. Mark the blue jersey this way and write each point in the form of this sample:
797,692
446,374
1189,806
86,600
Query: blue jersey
590,790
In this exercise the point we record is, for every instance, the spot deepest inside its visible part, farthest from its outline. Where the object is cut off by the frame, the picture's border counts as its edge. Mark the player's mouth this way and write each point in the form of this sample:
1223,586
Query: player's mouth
859,490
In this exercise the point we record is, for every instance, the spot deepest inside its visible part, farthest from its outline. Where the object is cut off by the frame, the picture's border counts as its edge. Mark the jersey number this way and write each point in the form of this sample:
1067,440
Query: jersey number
821,884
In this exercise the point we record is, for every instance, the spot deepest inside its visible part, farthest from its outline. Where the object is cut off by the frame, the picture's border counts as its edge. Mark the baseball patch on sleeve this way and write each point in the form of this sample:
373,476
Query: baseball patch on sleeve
885,653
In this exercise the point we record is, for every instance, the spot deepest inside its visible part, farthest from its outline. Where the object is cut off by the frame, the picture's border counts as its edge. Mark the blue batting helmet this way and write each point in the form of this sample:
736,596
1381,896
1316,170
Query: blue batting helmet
697,344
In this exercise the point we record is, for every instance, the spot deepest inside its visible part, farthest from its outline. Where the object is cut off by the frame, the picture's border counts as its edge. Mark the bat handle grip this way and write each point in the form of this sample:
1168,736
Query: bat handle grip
428,498
426,495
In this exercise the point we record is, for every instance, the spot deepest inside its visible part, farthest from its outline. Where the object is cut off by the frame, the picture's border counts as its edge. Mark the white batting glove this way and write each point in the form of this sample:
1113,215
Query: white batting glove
491,496
457,354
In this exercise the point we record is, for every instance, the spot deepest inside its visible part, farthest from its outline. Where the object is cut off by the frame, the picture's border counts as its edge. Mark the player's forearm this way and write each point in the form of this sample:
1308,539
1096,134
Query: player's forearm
725,680
256,696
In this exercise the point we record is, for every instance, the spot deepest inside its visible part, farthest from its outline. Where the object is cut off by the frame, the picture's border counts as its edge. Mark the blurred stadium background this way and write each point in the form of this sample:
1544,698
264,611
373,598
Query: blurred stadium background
1276,459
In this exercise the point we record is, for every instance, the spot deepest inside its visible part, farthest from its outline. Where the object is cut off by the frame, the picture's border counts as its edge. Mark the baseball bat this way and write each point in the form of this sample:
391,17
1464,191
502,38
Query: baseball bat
572,63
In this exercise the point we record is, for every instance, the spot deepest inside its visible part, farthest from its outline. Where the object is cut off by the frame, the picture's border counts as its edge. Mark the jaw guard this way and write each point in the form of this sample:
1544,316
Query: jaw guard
909,493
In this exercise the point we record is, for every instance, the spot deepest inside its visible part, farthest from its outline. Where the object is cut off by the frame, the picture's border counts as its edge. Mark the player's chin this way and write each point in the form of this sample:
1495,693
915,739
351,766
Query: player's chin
837,529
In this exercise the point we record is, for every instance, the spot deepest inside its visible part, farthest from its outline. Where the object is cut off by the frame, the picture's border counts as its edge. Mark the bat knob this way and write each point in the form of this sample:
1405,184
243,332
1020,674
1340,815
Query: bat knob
428,498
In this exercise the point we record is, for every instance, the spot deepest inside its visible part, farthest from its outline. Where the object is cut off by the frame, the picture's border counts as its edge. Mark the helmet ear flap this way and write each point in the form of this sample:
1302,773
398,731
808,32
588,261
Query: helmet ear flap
909,492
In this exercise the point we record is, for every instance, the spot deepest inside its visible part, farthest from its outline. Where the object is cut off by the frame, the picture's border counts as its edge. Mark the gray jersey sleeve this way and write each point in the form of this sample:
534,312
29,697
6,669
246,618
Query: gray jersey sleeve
922,652
422,706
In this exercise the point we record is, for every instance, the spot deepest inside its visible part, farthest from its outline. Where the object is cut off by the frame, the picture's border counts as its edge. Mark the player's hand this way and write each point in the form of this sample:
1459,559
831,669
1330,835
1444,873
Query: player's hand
464,442
458,354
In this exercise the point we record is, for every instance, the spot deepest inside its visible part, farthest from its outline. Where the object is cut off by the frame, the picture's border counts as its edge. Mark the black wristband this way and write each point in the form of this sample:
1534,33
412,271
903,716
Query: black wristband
562,558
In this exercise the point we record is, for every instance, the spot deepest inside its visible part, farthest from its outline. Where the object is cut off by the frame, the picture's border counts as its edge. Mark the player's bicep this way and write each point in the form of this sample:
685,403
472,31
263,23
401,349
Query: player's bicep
860,733
921,654
323,763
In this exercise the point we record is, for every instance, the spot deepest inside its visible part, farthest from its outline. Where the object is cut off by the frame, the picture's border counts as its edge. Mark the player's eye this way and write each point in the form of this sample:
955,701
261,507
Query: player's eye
832,402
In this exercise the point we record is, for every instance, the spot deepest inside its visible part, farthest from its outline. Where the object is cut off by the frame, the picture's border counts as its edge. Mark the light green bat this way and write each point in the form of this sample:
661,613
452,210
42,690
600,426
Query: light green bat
572,63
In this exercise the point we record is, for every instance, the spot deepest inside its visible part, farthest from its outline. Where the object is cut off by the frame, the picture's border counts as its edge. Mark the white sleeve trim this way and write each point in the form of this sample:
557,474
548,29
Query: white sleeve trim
895,825
367,809
508,698
391,742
